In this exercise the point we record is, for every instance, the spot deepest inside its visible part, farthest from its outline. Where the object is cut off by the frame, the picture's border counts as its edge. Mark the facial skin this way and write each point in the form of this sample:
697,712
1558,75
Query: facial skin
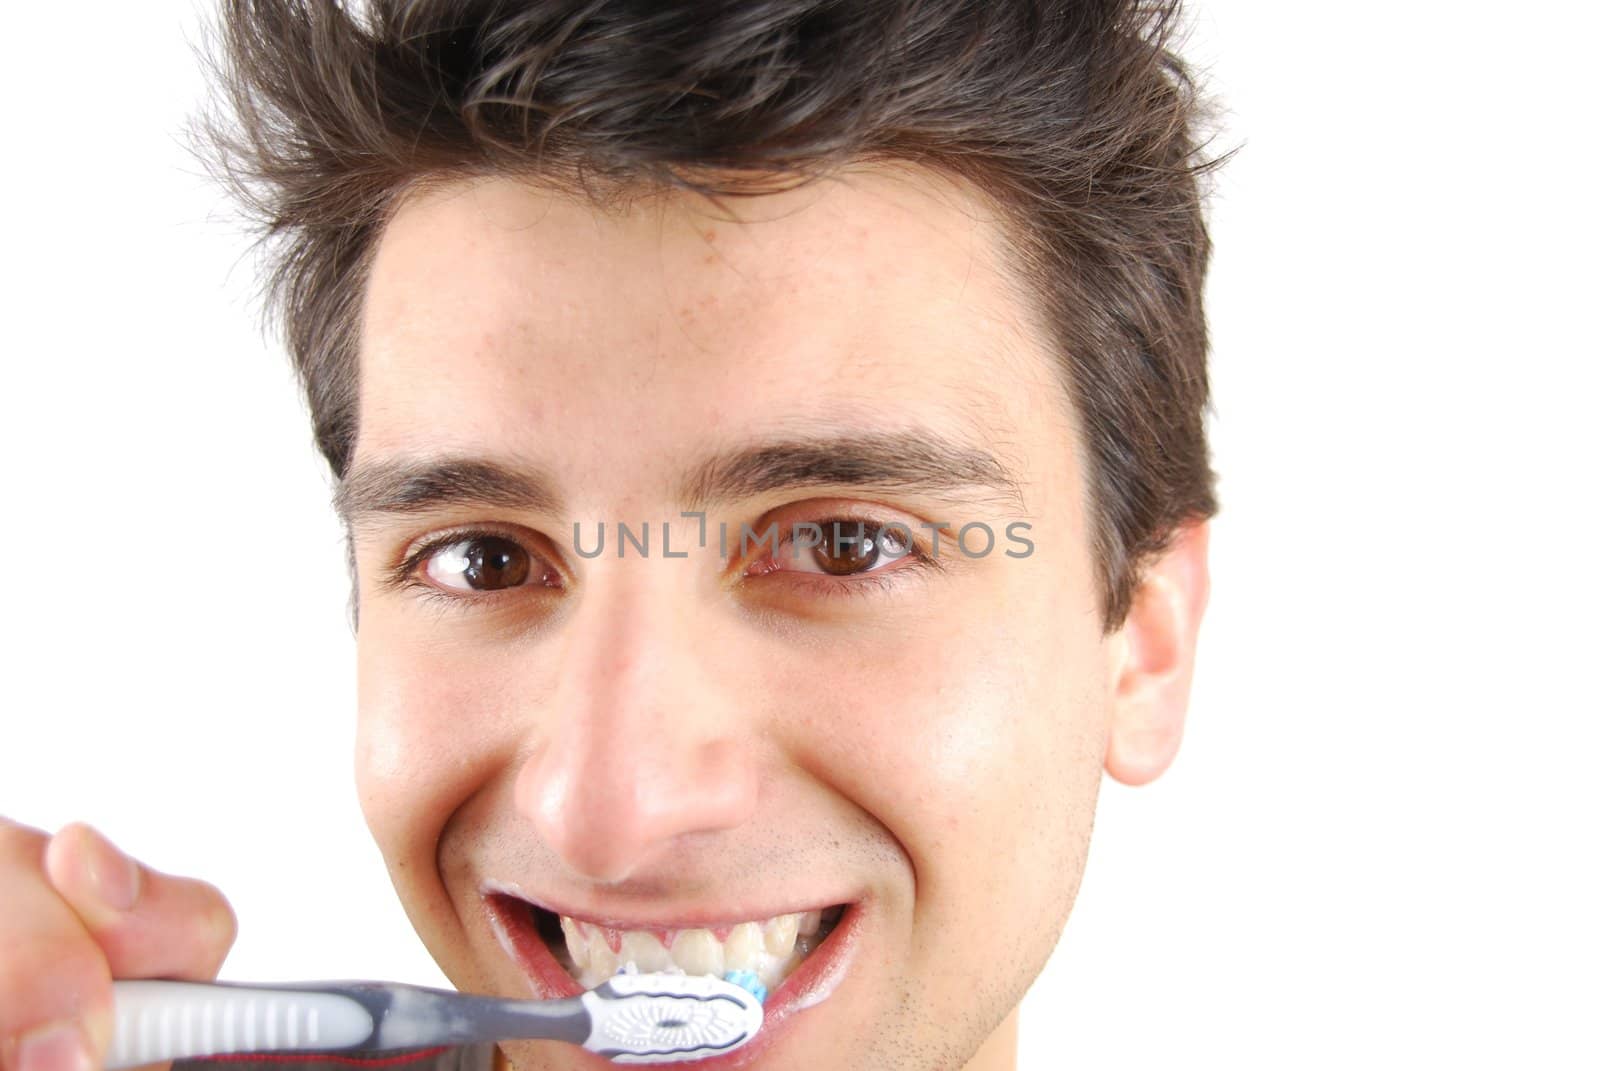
655,737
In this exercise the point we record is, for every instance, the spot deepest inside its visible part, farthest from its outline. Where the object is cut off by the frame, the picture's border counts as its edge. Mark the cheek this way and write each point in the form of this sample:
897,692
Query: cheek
994,724
428,733
975,731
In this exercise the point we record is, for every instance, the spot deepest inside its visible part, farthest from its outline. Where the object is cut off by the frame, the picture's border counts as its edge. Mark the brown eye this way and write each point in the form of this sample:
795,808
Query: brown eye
850,547
481,563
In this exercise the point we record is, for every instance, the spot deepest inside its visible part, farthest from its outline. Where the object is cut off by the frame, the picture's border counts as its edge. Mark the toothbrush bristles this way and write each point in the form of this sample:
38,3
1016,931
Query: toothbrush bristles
746,980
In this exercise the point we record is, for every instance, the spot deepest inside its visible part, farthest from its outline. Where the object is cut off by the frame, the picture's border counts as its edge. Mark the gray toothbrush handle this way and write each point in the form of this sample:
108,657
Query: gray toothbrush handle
157,1020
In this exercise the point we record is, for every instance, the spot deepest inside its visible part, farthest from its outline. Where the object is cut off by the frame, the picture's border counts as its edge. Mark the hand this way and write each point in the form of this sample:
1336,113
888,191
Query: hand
76,913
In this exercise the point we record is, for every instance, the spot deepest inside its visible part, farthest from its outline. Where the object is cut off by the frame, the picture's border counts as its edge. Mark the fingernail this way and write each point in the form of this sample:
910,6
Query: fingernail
113,876
57,1046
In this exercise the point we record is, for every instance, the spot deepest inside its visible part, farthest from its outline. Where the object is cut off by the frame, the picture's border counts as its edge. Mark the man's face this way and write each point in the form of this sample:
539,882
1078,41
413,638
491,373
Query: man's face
667,743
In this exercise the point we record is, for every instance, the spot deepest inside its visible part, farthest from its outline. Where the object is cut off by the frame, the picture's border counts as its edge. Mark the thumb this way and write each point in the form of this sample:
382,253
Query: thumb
148,924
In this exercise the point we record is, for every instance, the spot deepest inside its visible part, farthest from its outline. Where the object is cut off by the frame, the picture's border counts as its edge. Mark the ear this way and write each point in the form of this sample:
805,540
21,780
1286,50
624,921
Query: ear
1156,645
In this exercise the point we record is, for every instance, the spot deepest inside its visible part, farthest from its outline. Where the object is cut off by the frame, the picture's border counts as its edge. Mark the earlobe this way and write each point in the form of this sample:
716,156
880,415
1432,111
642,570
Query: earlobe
1150,689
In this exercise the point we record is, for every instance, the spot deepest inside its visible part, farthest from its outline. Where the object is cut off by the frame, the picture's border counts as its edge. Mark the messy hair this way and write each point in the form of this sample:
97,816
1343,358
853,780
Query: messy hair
1075,118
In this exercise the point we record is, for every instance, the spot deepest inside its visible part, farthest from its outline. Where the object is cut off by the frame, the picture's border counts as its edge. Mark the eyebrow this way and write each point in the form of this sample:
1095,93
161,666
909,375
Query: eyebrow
913,463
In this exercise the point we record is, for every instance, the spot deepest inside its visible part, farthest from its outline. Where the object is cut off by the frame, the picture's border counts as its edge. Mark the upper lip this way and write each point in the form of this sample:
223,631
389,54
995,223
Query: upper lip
685,918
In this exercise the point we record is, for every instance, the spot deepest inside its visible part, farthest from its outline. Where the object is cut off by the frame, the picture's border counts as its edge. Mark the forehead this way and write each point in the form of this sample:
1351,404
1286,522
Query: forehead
504,317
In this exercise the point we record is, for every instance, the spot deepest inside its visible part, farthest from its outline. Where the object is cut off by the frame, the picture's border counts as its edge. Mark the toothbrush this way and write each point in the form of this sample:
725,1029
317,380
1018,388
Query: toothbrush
636,1018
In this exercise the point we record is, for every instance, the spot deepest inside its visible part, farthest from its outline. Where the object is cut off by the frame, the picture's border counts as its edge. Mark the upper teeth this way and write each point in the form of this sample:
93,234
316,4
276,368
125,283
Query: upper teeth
771,949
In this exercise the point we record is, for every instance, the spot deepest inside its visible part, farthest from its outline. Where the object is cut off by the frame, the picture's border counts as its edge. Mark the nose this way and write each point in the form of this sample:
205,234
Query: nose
642,744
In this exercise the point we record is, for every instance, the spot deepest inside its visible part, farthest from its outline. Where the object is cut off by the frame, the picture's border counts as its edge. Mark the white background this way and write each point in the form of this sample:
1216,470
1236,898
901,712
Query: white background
1377,847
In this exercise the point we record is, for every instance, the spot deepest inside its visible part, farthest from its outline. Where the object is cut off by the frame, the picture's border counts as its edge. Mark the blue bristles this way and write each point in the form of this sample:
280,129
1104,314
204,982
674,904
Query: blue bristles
747,980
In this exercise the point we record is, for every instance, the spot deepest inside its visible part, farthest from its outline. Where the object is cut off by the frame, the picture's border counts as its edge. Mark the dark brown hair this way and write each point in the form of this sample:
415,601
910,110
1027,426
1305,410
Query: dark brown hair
1076,118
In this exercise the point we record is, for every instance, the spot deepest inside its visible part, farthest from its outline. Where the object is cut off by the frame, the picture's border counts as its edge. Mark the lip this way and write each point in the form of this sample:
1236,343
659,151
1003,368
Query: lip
811,983
694,919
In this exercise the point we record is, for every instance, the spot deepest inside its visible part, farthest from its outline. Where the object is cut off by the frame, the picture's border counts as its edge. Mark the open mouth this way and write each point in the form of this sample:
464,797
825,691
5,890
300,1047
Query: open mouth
587,952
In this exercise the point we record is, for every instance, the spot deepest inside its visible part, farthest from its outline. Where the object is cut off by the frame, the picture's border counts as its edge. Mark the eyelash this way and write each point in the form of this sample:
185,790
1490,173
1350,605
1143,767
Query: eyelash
405,576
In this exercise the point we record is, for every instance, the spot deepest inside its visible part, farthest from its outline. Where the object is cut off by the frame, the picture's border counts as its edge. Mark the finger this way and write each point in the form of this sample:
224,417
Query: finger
55,985
148,924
